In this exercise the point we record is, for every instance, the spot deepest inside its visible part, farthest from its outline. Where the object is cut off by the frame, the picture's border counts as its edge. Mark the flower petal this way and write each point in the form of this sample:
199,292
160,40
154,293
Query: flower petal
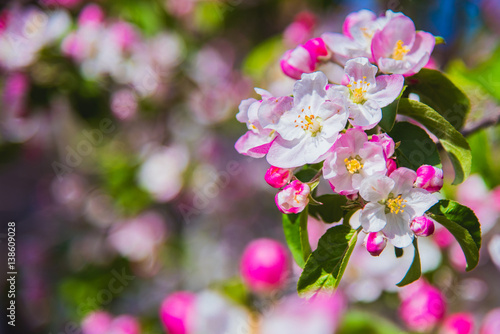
253,145
398,230
373,217
420,201
387,89
344,48
404,179
310,90
376,188
359,69
365,115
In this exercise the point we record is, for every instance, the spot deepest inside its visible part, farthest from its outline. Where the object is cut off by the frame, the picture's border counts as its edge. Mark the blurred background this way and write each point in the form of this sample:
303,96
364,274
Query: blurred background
117,161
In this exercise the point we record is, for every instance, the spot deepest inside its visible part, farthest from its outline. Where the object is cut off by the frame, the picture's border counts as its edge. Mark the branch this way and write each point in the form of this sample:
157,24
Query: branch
484,123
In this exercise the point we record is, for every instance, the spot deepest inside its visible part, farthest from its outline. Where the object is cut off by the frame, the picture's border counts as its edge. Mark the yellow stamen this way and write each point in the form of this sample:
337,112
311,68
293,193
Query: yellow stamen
400,50
353,165
396,205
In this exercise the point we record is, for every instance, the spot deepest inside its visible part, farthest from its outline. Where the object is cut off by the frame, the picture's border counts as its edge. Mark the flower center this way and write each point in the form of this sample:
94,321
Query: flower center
400,50
353,165
358,90
395,205
310,123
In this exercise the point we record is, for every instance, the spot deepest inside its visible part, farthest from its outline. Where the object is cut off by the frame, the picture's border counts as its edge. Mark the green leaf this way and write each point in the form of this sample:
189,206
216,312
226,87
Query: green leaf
453,142
326,265
416,147
331,211
463,224
360,322
389,116
398,251
306,174
437,91
415,270
295,229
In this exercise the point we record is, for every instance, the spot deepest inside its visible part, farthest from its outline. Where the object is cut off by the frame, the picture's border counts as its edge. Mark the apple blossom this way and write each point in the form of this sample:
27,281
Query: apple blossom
293,198
96,322
352,159
264,265
422,226
257,141
311,126
367,94
393,203
429,178
358,30
375,243
278,177
398,48
177,312
422,306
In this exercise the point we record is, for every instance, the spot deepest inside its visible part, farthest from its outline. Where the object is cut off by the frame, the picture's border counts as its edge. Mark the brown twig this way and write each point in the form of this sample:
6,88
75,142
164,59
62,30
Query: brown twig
484,123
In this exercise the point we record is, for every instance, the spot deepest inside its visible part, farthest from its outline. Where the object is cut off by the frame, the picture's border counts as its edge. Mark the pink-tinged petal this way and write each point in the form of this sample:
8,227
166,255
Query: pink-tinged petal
271,109
386,142
242,115
353,139
359,17
399,28
398,230
373,159
262,92
296,62
404,179
420,53
419,201
334,164
366,115
253,145
360,69
278,177
458,323
343,184
387,89
343,48
286,127
373,217
491,322
376,188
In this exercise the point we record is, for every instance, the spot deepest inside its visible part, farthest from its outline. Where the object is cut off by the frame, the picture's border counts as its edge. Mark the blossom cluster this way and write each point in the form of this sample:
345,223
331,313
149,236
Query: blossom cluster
326,123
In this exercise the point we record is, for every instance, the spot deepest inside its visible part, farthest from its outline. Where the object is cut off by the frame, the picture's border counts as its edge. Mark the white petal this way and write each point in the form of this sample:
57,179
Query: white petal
376,188
420,200
398,230
373,217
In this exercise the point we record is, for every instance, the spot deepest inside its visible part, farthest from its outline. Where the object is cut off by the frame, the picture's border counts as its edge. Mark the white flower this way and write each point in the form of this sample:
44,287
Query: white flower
367,94
311,126
393,204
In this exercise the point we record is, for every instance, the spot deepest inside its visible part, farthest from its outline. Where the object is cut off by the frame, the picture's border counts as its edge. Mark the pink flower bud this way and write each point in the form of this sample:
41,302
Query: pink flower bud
386,142
491,323
293,198
278,177
265,265
300,29
375,243
296,62
91,14
391,166
96,323
422,226
459,323
429,178
422,306
316,48
176,312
